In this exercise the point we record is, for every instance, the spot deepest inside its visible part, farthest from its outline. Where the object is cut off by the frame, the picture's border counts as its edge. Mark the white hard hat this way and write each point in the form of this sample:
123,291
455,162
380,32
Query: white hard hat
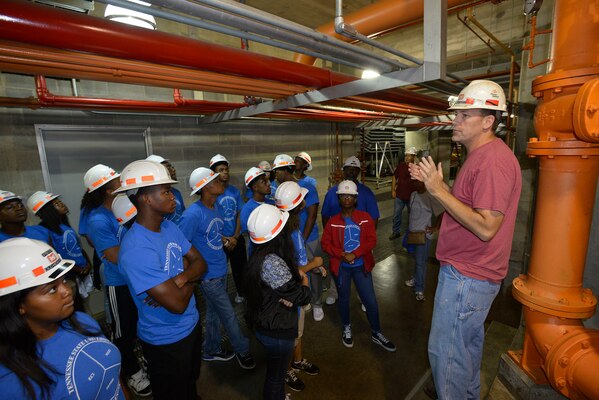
264,166
347,187
200,177
412,150
156,158
123,209
217,159
97,176
289,195
26,263
283,160
352,161
36,201
143,173
252,174
266,222
5,195
306,157
480,94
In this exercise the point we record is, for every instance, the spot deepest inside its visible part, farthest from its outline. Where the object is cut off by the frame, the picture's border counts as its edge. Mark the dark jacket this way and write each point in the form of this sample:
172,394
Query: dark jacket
276,319
334,235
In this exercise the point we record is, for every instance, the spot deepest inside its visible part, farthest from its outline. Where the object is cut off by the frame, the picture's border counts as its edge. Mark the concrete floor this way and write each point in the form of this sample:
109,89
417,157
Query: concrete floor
366,370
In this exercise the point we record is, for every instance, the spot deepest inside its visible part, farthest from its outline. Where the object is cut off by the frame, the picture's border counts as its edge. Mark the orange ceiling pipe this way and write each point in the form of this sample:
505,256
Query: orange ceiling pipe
558,350
375,18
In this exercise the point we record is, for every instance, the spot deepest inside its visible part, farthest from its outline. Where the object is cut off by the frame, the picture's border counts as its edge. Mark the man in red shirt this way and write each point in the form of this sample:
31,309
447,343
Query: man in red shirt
475,239
401,190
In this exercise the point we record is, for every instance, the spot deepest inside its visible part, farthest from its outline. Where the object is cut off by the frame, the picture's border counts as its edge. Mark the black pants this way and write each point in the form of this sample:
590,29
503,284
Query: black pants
174,368
124,327
239,261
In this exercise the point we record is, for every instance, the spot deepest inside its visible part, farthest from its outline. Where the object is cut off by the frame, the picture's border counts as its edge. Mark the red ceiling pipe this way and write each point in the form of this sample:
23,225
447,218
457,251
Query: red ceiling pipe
375,18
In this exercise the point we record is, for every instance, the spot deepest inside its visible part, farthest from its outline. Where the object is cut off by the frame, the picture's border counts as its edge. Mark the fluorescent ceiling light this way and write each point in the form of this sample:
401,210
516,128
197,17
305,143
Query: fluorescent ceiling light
130,17
369,74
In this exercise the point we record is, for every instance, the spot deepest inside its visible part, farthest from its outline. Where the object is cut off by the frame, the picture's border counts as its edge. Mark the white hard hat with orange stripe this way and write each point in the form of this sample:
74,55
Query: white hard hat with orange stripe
123,209
264,166
283,160
97,176
289,195
252,174
143,173
26,263
218,159
480,94
156,158
266,222
5,195
306,157
36,201
200,177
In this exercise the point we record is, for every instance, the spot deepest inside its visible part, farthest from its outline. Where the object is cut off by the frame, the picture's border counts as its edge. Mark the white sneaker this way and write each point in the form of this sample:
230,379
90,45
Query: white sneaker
308,307
330,300
140,384
239,299
410,282
318,313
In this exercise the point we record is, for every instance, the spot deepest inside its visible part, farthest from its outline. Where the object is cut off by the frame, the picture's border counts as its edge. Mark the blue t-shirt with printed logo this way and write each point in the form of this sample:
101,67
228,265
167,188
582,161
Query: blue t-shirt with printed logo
36,232
310,199
203,227
229,204
147,259
103,230
366,202
351,241
68,245
301,257
83,367
179,208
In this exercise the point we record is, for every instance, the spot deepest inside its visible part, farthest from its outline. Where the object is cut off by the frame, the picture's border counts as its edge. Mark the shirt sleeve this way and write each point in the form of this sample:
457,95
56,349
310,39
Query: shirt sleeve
188,225
372,206
143,268
102,233
312,196
493,188
327,204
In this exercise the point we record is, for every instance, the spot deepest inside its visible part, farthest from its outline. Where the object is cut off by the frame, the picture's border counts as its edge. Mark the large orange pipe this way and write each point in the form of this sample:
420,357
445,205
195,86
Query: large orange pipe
375,18
557,348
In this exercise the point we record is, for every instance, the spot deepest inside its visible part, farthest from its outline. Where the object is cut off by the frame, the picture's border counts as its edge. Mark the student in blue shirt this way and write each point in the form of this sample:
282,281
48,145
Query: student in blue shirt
202,224
284,167
13,215
270,197
180,208
229,205
103,231
303,163
258,184
49,350
161,267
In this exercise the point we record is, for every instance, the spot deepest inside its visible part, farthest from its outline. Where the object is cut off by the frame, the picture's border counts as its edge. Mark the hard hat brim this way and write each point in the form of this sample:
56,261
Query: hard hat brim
210,179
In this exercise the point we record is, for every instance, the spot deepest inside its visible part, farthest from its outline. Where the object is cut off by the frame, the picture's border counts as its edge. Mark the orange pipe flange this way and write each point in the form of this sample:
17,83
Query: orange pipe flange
557,348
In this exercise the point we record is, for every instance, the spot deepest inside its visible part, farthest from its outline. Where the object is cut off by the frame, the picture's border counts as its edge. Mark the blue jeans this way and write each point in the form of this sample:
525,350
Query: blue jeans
421,257
455,343
398,207
278,355
219,310
365,288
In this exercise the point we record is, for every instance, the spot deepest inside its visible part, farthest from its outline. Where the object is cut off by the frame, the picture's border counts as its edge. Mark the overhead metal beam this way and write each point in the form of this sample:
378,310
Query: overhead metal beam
354,88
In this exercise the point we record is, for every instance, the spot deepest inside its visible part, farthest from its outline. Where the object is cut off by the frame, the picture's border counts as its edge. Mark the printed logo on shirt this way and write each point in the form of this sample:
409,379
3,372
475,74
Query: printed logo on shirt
174,259
93,367
214,237
71,245
228,207
352,237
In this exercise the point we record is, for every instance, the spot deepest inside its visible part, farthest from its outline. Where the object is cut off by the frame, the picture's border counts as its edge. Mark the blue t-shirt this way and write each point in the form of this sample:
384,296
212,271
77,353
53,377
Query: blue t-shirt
103,230
301,257
247,209
203,227
366,202
85,367
36,232
308,179
148,259
310,199
351,241
67,244
83,217
229,204
179,209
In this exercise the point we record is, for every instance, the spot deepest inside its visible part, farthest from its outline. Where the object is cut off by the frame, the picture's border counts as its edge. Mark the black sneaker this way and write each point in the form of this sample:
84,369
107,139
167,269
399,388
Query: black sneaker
346,337
246,361
305,366
382,341
294,382
223,355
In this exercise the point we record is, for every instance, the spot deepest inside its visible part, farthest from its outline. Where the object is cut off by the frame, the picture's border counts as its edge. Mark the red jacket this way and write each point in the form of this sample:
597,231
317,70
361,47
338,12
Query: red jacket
334,235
